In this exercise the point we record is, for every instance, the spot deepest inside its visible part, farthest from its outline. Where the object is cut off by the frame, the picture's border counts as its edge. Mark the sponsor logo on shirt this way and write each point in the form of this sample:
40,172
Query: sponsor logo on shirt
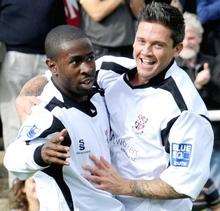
181,154
81,147
140,124
125,146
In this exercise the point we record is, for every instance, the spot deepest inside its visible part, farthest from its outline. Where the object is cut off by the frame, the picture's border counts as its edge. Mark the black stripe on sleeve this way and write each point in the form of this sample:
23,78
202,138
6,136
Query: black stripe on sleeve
165,134
38,158
56,126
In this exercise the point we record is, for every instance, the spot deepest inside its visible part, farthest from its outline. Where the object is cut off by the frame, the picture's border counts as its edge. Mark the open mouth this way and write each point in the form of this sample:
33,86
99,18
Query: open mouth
147,62
88,80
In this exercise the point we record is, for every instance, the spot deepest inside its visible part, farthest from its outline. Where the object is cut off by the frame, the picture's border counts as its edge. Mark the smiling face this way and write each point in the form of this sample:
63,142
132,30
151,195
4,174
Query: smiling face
73,69
153,50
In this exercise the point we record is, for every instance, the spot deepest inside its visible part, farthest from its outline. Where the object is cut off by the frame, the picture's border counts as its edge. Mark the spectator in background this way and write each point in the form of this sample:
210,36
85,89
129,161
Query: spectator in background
72,12
110,24
23,33
188,5
24,25
203,69
208,12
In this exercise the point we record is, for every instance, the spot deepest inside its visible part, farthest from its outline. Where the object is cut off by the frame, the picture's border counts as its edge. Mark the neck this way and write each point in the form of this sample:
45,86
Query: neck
138,80
71,95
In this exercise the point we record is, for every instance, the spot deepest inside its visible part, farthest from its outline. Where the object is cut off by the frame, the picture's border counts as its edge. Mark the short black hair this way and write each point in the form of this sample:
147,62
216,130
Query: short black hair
58,36
166,15
163,1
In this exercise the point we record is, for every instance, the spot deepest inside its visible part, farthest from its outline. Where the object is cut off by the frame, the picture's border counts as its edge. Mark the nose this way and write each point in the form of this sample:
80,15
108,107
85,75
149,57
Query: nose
87,67
185,42
147,49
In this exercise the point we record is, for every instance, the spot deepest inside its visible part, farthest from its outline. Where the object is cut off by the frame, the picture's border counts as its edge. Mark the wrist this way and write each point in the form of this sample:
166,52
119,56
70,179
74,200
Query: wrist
127,187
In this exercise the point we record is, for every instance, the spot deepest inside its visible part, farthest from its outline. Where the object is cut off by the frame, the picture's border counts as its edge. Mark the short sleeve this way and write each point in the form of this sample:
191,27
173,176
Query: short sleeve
191,142
38,122
110,68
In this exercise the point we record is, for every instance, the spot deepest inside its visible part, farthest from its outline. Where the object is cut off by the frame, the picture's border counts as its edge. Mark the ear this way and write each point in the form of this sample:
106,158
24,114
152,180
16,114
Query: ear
177,49
52,66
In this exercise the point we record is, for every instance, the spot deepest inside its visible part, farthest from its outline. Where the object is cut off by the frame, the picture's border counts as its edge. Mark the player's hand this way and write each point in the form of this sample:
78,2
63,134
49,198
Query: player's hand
105,177
31,194
203,77
53,152
24,104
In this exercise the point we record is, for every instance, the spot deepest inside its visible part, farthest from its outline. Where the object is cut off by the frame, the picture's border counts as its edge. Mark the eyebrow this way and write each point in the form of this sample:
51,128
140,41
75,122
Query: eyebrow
74,57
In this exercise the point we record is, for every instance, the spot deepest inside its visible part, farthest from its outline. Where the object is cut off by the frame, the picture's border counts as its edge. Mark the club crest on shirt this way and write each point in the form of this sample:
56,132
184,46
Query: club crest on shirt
181,154
139,124
28,131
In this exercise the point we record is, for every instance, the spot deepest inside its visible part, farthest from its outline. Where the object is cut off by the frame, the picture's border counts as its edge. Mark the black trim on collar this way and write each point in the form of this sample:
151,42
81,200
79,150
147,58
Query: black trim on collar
86,107
170,85
117,68
153,82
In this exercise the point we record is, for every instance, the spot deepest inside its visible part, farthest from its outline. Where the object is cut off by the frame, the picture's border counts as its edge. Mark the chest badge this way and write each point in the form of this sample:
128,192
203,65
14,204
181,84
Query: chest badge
140,124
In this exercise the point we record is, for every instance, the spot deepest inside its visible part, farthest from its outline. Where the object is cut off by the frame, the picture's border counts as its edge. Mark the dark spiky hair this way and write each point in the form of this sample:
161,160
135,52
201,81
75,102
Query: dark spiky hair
60,35
167,15
162,1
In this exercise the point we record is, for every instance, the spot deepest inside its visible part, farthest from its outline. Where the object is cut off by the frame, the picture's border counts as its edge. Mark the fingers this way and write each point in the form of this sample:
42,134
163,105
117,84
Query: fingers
57,161
59,137
53,152
206,66
57,154
93,170
98,163
62,153
93,179
105,162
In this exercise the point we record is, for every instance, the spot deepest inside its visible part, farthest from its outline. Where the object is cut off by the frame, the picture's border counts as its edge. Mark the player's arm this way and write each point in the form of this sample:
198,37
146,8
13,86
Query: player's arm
190,144
34,86
98,9
136,6
106,178
27,97
24,160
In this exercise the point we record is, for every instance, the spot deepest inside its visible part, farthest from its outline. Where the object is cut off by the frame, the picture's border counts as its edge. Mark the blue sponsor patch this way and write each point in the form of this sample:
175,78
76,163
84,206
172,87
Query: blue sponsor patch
181,154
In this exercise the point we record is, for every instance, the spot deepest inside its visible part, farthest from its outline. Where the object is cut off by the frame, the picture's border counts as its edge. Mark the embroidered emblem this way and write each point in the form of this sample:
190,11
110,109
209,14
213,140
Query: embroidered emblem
181,154
139,124
28,132
32,132
81,149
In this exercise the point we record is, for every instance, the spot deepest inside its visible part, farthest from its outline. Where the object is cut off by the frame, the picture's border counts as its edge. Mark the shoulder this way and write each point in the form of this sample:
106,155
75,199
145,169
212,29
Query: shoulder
181,86
110,68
